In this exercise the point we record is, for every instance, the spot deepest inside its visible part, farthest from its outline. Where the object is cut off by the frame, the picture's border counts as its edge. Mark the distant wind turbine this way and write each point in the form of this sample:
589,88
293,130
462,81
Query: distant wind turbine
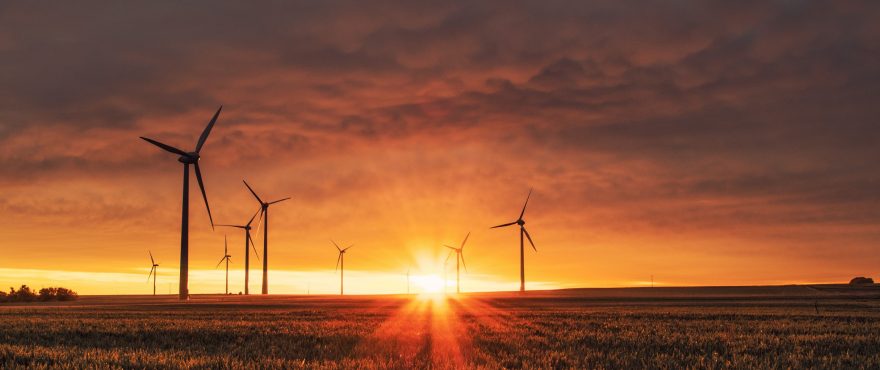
248,244
190,158
459,255
522,230
264,216
340,265
226,258
154,272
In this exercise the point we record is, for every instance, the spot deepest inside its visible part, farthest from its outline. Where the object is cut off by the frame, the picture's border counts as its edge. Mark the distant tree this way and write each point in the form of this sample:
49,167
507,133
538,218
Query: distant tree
57,294
47,294
23,294
861,280
3,296
64,294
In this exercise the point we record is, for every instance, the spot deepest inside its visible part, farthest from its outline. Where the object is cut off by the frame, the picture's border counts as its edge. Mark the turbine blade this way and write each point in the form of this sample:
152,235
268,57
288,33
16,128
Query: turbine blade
221,261
151,273
524,205
151,258
461,254
503,225
225,245
165,146
336,245
465,240
254,247
260,222
225,225
448,256
530,239
279,200
339,258
453,248
254,216
207,130
252,192
346,248
204,195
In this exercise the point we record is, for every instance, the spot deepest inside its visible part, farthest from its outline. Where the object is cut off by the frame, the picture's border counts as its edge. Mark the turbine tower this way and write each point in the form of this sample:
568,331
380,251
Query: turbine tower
226,258
154,272
340,265
190,158
522,230
248,244
264,216
459,255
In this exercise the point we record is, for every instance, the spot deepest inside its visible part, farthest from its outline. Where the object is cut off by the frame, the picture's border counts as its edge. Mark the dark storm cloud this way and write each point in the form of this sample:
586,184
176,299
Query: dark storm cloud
745,100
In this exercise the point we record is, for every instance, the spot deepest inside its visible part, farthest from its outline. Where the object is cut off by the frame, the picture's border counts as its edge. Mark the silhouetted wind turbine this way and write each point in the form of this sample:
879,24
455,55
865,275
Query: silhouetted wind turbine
248,244
264,216
154,272
226,257
191,158
459,255
522,230
340,265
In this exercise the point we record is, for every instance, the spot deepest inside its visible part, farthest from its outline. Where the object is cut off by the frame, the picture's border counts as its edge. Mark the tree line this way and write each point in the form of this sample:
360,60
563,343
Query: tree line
26,294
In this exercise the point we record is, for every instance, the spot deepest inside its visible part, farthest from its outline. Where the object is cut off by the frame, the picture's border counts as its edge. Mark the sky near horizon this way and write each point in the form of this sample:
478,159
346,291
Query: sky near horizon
698,142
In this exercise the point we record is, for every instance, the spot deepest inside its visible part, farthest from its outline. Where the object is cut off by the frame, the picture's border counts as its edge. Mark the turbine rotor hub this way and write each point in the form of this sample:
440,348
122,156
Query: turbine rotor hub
520,222
190,158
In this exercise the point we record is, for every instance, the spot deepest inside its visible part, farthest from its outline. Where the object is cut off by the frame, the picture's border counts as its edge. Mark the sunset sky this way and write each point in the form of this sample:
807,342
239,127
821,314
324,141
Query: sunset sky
703,143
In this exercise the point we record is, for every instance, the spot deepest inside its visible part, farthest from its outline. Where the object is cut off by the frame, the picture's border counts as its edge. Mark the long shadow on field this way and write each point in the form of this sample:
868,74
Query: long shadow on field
423,334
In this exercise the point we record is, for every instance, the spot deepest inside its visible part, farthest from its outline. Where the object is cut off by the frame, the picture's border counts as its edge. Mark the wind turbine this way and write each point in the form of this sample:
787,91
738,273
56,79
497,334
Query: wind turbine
154,272
190,158
248,244
522,230
340,265
459,255
226,257
264,216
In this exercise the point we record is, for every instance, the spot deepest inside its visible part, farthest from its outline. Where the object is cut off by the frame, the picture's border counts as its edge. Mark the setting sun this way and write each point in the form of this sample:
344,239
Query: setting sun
428,283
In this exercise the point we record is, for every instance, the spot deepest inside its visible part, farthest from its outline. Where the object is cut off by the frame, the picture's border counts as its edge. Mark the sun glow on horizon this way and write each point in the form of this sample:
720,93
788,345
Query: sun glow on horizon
428,283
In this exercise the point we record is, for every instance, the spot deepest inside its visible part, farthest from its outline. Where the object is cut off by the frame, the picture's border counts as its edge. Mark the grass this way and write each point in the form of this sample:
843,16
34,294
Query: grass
709,328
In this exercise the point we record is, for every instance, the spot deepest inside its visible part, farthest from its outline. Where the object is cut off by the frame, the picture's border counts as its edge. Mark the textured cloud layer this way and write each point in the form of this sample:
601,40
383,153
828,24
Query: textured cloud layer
686,138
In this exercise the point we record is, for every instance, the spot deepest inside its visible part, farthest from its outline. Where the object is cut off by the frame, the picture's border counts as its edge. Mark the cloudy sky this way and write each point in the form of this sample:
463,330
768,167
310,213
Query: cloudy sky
698,142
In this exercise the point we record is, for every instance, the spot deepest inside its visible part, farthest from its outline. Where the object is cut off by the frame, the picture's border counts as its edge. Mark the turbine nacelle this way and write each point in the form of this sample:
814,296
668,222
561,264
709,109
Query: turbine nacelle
189,158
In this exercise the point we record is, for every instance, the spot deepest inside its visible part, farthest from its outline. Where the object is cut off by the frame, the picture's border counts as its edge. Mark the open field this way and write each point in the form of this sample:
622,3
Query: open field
711,327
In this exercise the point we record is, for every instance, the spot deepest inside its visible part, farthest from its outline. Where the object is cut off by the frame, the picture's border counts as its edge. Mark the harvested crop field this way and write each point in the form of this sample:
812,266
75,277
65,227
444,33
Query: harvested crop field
738,327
